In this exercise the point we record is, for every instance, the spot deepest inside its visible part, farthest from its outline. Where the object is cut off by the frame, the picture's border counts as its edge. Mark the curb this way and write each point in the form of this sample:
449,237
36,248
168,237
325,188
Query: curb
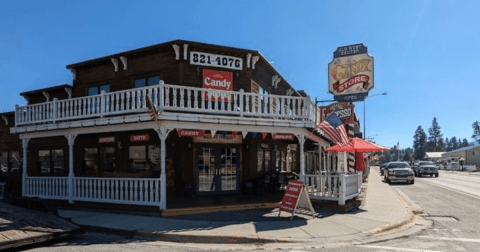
204,239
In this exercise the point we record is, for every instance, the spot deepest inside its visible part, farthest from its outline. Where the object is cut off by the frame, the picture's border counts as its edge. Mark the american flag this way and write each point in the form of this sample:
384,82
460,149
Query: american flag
334,129
152,111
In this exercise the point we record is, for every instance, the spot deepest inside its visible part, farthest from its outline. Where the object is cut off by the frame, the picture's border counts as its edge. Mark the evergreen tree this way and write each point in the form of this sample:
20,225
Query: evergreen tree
441,145
430,146
476,131
453,143
434,134
419,142
465,143
407,157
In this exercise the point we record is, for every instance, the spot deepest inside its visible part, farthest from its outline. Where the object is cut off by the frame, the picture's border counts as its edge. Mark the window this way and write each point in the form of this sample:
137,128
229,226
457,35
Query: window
149,81
90,158
95,90
51,161
4,162
473,153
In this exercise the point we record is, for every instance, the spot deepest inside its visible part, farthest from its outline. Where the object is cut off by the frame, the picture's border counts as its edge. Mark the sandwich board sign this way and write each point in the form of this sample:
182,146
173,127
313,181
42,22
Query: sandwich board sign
295,198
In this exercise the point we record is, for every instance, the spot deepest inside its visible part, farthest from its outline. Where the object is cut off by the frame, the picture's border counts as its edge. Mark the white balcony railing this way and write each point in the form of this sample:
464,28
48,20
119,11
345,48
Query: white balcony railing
336,187
168,98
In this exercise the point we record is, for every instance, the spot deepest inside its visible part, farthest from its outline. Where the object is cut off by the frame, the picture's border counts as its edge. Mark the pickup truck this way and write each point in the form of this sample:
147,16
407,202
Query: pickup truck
425,168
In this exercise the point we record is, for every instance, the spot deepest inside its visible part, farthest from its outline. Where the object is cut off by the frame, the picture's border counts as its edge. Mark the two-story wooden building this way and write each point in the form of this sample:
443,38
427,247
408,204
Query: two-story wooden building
226,116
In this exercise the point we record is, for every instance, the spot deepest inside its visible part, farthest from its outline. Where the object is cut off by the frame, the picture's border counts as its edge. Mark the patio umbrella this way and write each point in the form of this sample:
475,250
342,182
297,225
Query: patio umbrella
356,145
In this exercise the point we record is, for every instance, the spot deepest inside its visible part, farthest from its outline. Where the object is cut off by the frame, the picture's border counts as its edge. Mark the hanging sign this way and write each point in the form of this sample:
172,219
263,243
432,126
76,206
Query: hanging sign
190,133
106,139
139,138
279,136
218,85
342,110
295,197
350,74
219,139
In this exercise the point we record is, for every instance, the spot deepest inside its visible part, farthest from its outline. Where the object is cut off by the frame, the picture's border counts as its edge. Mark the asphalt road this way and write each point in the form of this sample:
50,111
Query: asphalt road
451,202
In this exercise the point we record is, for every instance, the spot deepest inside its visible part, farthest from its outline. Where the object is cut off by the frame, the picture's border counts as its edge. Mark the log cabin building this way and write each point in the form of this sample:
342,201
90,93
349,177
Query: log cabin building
226,116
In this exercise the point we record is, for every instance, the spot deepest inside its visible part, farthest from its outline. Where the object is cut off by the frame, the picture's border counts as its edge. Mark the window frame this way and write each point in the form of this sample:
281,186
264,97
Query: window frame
52,162
99,89
146,80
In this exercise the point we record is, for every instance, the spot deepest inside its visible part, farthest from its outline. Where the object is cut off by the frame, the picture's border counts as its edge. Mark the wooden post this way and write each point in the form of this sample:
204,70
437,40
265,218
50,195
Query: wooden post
71,140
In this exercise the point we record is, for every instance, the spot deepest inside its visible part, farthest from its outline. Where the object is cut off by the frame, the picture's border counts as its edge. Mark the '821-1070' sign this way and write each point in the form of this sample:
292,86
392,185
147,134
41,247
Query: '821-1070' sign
216,60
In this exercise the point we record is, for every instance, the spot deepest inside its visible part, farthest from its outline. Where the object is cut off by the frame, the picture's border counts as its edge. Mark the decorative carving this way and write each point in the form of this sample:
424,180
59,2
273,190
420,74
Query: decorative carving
274,79
289,92
69,92
254,61
124,62
74,73
249,56
185,51
176,48
115,63
47,95
5,119
277,81
71,138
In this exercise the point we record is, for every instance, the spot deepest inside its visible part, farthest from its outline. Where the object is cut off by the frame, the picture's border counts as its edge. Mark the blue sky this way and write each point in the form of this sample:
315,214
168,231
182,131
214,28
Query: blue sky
426,52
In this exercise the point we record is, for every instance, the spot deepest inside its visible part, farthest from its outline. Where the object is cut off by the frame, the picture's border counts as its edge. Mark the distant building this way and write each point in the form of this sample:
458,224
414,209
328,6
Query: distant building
433,156
470,155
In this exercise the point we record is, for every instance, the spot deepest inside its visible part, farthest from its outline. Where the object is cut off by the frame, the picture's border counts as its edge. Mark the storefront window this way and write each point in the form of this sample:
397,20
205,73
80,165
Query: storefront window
90,157
44,161
154,157
267,160
107,159
4,161
15,161
58,161
260,154
137,158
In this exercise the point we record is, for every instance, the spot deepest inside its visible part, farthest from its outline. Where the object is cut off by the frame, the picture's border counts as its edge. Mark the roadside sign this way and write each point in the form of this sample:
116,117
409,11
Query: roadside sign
295,198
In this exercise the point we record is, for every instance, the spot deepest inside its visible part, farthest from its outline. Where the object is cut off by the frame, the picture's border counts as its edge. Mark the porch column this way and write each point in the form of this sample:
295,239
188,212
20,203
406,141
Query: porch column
163,133
301,141
71,140
24,166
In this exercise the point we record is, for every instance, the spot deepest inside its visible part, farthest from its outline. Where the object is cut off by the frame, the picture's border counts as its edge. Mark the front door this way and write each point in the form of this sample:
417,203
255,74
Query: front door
217,169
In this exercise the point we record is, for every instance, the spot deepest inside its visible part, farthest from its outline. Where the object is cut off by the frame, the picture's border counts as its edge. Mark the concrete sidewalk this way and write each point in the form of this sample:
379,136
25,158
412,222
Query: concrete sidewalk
383,210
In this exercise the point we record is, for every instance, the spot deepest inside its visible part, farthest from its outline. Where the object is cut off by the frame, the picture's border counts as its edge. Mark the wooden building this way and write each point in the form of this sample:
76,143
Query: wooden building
225,116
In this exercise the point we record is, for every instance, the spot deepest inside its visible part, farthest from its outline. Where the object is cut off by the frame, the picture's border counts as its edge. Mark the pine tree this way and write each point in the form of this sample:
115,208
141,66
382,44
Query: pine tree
434,134
465,143
419,142
453,143
441,145
476,131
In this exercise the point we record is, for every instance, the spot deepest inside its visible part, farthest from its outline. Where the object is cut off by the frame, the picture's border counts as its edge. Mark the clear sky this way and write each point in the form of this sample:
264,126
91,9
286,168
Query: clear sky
426,52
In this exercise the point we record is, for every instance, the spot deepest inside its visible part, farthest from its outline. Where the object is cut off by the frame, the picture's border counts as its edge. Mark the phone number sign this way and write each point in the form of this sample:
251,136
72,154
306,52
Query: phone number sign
216,60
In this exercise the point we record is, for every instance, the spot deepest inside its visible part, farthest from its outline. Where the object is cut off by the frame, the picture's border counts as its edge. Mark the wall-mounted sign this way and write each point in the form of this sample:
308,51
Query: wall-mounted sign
139,138
219,85
216,60
264,146
350,74
342,110
106,139
190,133
278,136
218,139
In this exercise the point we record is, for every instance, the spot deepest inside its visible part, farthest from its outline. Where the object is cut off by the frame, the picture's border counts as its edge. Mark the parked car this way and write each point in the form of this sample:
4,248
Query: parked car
398,172
426,168
383,167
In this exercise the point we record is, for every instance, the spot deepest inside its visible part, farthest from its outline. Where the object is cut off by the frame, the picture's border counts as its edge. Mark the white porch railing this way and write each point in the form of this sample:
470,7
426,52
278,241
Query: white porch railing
175,98
133,191
47,187
336,187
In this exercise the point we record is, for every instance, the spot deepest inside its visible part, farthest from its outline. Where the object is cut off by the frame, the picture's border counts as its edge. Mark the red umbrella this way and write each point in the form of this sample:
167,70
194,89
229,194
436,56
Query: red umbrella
356,145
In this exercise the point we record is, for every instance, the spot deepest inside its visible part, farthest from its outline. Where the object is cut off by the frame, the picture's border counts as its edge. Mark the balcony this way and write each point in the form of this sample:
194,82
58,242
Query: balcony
174,102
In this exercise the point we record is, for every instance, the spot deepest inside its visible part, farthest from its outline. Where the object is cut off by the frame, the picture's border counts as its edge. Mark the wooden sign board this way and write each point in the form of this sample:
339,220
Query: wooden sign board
295,198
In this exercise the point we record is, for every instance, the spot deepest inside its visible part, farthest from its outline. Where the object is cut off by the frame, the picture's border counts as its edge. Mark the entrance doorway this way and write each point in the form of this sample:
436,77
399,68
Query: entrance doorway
217,169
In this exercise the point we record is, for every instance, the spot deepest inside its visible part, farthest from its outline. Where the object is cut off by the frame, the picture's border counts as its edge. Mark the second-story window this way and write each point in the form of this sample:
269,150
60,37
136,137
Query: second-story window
149,81
95,90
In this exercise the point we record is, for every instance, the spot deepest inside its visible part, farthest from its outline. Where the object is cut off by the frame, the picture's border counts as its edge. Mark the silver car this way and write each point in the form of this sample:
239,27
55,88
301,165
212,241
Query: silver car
399,172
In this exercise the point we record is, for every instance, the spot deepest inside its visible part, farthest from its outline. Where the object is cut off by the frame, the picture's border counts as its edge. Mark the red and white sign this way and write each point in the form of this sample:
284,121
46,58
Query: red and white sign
139,138
106,139
218,85
292,193
190,133
344,112
283,137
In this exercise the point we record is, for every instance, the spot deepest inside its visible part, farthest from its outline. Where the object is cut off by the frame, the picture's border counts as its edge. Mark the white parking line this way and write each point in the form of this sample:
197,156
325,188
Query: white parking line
449,239
399,249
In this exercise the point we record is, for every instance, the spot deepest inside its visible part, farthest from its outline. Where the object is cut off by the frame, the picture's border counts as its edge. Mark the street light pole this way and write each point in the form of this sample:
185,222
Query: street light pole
364,120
